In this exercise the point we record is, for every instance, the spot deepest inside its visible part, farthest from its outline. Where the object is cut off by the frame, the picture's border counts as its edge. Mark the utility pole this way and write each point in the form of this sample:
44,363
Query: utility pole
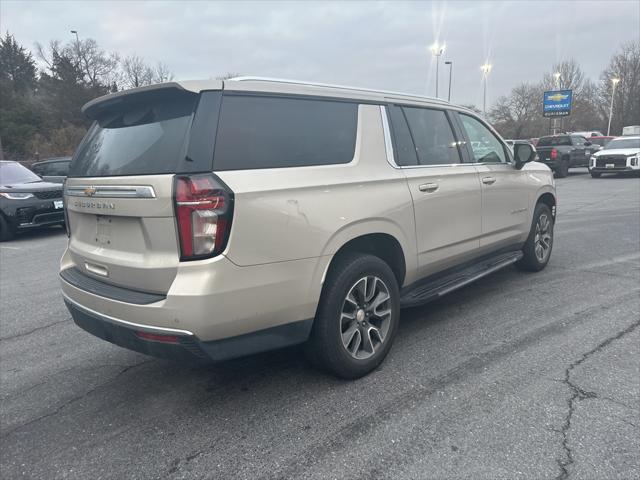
450,63
437,51
486,68
614,82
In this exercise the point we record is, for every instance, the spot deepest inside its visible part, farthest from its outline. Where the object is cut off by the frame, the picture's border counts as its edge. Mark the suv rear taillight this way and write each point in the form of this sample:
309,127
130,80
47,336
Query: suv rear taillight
554,154
204,208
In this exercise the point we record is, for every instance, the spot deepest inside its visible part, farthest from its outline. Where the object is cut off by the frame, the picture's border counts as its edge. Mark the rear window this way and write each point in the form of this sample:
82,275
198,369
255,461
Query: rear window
554,141
271,132
137,138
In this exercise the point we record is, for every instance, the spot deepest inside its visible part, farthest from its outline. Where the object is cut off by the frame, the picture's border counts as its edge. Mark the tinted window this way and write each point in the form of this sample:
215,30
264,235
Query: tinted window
12,172
432,135
137,138
578,140
485,146
269,132
405,152
555,141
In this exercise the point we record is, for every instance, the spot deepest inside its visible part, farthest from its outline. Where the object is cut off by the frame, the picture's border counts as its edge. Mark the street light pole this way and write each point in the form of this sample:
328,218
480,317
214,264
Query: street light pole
557,76
615,82
450,63
77,38
437,51
486,68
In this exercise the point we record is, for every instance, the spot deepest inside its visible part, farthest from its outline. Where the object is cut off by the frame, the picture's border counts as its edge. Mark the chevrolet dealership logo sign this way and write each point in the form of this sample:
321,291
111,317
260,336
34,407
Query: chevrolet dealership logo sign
557,103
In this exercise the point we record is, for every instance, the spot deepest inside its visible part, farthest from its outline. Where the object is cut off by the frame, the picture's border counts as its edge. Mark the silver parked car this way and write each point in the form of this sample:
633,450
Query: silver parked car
210,220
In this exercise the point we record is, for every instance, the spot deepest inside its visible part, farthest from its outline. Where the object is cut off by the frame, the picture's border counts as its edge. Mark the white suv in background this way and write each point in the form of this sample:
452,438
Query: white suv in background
620,155
210,220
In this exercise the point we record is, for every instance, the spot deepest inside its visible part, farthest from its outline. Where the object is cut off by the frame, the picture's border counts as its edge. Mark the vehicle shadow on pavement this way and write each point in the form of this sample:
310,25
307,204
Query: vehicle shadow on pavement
413,321
37,233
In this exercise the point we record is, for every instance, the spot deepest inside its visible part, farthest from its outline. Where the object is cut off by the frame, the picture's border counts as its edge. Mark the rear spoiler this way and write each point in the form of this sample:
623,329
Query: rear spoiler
98,105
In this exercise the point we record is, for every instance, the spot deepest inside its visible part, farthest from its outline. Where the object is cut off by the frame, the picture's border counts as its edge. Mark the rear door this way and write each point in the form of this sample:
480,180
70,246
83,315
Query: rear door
119,192
505,214
445,191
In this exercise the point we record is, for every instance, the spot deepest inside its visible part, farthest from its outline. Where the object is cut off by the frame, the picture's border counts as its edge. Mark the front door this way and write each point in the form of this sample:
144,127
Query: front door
505,215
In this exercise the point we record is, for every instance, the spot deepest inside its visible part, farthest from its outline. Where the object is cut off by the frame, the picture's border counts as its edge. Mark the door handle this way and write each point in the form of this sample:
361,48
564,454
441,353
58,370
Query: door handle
488,180
428,187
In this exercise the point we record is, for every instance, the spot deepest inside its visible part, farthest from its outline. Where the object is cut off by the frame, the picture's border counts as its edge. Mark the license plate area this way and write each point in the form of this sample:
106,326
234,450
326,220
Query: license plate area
103,229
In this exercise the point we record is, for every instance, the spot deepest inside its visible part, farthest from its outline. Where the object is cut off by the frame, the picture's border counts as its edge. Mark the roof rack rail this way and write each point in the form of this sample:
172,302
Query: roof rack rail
328,85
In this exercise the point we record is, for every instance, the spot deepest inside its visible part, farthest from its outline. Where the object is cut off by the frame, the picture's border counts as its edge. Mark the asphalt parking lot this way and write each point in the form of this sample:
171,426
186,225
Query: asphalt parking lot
517,376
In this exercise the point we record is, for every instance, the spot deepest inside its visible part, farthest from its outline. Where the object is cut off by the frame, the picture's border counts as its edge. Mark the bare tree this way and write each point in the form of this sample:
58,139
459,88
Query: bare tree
565,75
228,76
135,72
518,114
625,66
97,65
162,73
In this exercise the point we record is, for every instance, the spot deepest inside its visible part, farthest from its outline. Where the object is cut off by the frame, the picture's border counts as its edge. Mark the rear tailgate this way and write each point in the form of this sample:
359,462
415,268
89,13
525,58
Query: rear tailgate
130,242
544,153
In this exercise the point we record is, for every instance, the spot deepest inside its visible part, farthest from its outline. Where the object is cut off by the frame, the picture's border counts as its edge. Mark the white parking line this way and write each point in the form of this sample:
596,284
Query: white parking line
11,248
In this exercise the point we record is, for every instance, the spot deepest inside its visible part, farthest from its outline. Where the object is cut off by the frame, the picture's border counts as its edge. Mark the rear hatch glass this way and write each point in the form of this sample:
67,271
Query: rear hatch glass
137,137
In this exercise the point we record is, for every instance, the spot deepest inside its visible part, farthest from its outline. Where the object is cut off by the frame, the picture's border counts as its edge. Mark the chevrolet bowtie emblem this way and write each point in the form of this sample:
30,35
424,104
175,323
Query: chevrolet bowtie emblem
557,97
90,191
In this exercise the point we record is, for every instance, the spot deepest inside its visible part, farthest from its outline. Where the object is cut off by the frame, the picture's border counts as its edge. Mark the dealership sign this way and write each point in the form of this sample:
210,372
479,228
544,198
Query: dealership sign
557,103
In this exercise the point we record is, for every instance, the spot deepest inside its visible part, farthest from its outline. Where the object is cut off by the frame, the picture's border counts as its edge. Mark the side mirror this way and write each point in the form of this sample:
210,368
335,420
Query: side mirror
523,153
587,143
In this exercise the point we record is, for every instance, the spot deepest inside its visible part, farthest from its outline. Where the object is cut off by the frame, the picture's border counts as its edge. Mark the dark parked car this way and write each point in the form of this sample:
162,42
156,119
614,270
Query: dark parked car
53,169
26,201
561,152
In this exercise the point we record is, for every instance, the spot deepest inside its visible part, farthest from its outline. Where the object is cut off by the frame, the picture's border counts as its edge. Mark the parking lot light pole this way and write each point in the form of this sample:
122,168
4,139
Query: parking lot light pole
486,68
437,51
614,82
450,63
554,127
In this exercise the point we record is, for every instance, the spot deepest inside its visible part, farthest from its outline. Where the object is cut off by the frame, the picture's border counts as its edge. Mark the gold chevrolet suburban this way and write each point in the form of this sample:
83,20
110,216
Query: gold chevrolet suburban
209,220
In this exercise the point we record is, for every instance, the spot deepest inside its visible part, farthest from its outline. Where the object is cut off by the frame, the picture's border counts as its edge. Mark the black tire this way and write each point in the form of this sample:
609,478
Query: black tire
325,347
562,170
531,262
595,174
6,232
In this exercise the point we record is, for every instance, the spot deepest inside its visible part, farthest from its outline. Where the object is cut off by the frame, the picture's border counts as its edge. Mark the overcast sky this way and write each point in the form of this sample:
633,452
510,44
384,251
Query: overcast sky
369,44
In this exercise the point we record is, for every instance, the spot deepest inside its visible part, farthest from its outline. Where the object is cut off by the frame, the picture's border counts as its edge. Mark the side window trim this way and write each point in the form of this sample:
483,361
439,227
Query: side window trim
389,141
467,141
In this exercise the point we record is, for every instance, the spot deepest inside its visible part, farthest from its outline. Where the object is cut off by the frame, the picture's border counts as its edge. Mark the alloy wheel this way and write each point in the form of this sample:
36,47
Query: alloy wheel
544,237
365,317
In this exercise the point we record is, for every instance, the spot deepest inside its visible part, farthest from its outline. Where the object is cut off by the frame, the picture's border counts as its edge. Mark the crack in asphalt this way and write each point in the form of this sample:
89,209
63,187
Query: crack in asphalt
24,334
474,364
578,394
74,399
